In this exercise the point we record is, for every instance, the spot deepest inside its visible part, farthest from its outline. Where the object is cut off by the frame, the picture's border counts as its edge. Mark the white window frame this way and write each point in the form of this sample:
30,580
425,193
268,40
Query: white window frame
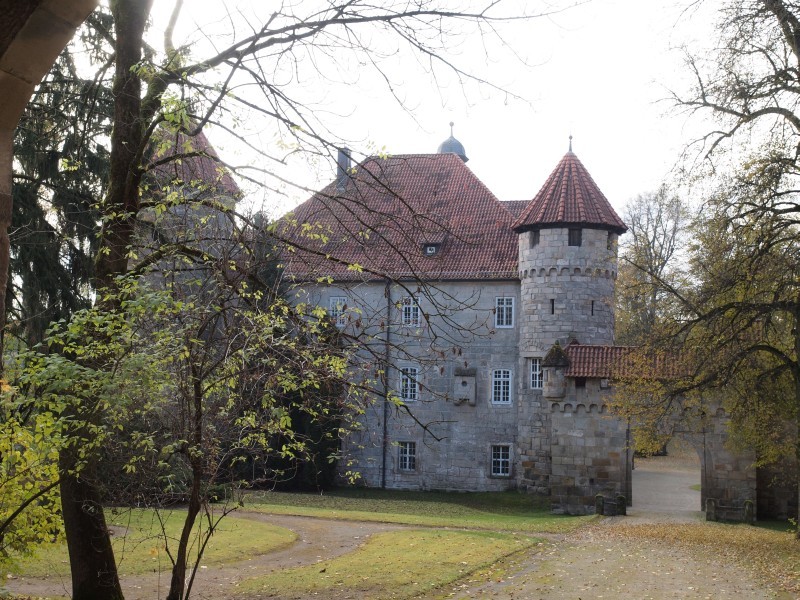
504,312
407,456
337,309
501,386
536,373
409,312
409,384
500,457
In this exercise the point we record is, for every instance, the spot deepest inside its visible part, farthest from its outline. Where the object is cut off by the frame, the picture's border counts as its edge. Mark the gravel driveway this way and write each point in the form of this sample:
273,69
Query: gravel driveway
599,562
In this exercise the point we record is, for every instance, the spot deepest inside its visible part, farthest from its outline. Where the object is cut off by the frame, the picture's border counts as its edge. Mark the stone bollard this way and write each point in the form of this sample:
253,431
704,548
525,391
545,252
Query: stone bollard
622,505
598,504
711,509
749,512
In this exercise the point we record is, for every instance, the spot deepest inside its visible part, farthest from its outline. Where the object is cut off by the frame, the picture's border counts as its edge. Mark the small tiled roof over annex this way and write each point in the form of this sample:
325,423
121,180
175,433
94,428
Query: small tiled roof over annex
617,362
569,197
413,215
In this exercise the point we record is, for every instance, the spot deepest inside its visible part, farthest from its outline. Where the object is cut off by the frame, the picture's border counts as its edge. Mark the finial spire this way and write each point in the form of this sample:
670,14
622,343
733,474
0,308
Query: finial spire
570,142
451,128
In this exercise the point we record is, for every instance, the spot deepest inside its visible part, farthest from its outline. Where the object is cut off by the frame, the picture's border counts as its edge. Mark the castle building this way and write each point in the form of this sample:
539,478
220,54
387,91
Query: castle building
483,321
486,334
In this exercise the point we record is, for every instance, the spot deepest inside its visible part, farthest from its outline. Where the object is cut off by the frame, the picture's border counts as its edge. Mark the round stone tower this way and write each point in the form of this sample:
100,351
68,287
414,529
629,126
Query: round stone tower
567,262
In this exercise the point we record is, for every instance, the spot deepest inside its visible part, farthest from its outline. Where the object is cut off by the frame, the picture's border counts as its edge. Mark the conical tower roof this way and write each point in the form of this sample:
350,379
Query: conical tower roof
569,197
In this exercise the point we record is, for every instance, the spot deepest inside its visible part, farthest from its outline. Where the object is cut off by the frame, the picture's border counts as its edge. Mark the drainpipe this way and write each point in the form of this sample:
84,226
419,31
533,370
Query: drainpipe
385,445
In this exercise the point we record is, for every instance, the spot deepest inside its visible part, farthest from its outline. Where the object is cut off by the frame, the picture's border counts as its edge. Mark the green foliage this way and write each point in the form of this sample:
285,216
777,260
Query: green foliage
28,474
61,170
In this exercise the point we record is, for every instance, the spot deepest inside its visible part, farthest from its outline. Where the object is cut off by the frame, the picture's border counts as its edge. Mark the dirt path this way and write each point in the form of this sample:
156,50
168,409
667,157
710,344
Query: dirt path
318,539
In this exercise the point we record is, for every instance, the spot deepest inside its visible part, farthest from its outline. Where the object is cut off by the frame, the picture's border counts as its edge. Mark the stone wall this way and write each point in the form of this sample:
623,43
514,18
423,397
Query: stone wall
590,451
456,342
567,291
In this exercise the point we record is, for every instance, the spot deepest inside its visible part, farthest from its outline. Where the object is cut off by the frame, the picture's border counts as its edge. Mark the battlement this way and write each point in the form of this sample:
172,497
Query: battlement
579,409
551,272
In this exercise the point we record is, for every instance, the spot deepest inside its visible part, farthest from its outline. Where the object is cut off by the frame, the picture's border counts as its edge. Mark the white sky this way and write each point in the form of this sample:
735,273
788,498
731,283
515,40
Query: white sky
599,71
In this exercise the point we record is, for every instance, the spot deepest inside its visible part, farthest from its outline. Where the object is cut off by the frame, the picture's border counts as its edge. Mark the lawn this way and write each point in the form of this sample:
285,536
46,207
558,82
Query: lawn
498,511
421,560
139,545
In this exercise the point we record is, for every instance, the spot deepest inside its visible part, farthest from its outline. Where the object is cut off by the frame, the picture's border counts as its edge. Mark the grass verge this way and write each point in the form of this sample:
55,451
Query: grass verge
139,544
498,511
399,564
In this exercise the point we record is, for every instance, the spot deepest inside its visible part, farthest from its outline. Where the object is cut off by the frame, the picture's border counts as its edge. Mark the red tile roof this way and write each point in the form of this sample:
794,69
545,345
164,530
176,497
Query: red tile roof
392,207
617,362
195,162
569,197
515,207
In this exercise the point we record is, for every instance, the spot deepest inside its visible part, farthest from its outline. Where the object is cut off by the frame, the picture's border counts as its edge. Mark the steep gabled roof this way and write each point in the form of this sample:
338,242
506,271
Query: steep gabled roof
389,210
569,197
515,207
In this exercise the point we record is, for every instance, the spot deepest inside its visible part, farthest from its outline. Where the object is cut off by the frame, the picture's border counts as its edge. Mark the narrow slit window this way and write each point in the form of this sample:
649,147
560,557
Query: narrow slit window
592,307
552,306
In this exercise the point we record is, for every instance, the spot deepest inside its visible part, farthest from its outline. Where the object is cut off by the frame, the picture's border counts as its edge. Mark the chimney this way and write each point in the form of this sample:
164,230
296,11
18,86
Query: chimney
342,169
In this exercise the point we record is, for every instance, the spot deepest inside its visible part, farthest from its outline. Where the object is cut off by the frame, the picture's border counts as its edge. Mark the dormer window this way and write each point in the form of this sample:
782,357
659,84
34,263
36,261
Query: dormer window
430,249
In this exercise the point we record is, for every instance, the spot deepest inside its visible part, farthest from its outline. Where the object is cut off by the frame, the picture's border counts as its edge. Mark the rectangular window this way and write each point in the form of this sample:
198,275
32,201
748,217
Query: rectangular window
534,238
536,374
407,456
337,309
501,386
504,312
410,308
575,237
501,461
409,386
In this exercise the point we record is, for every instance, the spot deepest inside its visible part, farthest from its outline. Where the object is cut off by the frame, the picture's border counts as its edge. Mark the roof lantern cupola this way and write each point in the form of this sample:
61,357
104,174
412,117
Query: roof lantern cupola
452,146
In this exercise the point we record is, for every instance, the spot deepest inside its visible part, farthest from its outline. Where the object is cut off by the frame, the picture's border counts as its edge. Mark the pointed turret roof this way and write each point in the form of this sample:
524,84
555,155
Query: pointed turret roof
569,197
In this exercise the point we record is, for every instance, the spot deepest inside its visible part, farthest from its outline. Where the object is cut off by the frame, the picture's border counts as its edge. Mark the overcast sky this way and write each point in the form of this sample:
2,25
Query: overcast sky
599,71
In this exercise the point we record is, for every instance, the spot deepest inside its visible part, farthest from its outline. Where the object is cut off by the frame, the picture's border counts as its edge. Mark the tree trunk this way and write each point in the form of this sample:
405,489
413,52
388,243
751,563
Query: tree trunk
178,582
92,564
94,572
6,204
796,329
